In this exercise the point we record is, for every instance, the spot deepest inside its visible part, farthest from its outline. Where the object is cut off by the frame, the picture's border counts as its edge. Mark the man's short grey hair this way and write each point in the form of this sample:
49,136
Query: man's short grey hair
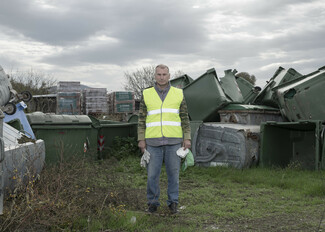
162,66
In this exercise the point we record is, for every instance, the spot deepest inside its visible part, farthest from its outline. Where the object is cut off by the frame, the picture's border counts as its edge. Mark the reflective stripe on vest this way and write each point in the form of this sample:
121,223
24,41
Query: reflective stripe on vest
163,117
159,111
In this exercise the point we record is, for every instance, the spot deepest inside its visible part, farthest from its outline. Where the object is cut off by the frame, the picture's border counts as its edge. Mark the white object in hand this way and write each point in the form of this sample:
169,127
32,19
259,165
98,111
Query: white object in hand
145,159
181,152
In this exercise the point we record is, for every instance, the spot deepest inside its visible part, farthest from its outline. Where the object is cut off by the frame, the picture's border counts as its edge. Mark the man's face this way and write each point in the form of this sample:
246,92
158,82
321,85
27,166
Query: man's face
162,77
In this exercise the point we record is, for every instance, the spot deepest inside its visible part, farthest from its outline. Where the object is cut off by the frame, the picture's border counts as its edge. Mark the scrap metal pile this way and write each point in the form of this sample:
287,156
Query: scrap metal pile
21,158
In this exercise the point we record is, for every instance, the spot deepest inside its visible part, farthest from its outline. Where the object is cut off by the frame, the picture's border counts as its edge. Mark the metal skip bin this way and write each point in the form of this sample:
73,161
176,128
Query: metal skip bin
303,98
220,144
249,114
64,135
204,96
292,143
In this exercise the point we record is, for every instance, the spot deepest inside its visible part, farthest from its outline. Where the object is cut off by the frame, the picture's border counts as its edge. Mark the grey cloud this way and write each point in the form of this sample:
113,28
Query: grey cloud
123,20
159,29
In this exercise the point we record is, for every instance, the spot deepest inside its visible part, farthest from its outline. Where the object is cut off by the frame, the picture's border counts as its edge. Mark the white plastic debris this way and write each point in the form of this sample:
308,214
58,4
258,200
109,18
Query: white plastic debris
133,219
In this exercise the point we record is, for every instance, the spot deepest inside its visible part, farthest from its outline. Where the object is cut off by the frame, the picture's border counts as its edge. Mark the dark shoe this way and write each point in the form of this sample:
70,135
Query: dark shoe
173,208
152,208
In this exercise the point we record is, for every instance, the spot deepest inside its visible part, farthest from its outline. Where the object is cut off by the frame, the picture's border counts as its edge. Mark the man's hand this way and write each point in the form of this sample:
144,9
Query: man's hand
142,145
187,144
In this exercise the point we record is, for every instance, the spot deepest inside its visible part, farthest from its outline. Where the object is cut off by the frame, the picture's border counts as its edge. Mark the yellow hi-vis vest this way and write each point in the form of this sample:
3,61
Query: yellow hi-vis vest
163,117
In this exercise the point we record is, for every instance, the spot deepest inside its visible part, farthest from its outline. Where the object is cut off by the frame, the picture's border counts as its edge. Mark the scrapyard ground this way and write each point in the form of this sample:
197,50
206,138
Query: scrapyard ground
110,195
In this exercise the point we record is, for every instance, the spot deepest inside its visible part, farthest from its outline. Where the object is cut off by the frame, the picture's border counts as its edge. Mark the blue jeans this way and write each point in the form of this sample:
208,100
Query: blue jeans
159,154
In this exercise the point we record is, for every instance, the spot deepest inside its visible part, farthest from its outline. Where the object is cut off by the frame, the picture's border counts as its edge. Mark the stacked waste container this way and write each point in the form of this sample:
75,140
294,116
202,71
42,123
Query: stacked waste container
242,125
301,140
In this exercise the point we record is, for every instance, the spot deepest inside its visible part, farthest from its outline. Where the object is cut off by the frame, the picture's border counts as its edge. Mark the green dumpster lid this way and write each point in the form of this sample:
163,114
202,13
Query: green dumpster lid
39,118
248,107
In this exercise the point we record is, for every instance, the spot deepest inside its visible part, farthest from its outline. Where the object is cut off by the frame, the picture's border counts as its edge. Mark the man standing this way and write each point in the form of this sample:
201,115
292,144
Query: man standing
163,128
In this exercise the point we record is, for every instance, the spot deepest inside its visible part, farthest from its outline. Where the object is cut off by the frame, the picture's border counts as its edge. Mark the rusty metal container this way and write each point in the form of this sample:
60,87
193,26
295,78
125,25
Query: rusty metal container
249,114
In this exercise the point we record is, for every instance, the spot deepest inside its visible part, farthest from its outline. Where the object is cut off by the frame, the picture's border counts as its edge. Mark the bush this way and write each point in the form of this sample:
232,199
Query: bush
124,147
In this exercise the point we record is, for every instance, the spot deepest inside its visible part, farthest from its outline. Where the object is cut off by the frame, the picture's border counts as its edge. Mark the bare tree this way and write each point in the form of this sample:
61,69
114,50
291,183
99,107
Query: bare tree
178,73
36,82
139,80
142,78
247,77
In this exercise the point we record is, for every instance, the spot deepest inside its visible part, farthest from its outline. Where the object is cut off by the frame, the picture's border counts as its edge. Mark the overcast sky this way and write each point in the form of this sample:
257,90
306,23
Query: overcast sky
97,41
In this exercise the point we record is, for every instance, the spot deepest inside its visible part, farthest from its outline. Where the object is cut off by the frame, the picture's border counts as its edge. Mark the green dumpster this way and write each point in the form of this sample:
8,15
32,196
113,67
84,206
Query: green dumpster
181,82
64,135
292,143
303,98
268,96
226,144
230,86
194,127
248,90
204,96
108,130
133,118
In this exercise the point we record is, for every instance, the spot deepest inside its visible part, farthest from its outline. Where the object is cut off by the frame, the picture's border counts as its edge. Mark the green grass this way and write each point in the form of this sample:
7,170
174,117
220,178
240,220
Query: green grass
110,195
